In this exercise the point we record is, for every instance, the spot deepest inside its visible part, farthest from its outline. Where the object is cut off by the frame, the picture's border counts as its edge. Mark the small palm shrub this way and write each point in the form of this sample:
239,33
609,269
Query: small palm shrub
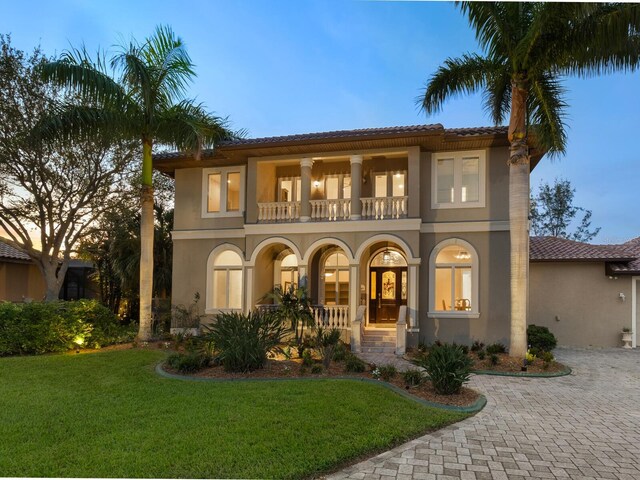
541,338
354,364
387,372
326,342
307,359
412,377
244,341
547,358
494,359
495,348
477,346
448,368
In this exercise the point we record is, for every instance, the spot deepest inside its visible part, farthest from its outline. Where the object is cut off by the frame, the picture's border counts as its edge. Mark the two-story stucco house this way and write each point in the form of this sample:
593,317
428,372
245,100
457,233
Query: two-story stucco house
375,219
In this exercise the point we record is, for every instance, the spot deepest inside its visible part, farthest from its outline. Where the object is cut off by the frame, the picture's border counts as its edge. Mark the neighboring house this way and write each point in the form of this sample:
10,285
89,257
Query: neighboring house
585,293
20,278
380,222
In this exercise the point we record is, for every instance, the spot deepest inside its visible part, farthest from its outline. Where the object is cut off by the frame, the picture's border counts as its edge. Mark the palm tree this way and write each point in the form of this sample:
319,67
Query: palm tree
142,101
529,48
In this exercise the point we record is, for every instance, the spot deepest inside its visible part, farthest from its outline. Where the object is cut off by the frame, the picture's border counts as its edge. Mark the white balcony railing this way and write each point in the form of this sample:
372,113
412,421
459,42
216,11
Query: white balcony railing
278,211
332,210
384,207
332,316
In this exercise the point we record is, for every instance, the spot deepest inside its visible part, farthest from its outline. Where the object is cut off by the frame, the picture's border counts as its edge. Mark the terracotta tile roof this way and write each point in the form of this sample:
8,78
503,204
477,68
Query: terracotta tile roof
9,251
344,134
632,267
554,249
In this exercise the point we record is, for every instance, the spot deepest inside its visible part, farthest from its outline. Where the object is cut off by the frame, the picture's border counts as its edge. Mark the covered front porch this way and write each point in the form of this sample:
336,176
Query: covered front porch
371,295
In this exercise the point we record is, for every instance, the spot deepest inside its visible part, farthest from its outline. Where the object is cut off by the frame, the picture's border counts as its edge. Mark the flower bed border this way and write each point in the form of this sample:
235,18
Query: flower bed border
561,373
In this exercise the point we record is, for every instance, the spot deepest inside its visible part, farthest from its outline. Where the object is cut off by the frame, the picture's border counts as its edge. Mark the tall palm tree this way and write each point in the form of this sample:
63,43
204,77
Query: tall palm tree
138,95
528,48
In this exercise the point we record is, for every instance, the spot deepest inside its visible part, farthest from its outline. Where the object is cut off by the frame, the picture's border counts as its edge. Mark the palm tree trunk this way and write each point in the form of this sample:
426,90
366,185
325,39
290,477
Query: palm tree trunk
146,245
519,219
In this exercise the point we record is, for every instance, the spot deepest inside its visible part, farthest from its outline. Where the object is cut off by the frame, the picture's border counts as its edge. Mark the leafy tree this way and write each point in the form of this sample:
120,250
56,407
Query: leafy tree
552,212
138,95
51,192
529,47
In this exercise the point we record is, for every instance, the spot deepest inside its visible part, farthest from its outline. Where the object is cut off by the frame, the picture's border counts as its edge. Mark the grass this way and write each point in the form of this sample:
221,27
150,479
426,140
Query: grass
109,415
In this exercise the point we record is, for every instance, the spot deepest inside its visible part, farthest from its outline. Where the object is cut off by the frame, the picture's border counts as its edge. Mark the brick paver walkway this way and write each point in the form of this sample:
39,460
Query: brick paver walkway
585,425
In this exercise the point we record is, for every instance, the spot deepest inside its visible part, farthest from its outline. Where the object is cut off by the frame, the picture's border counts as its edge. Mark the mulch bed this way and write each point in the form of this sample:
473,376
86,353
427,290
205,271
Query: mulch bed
279,367
506,364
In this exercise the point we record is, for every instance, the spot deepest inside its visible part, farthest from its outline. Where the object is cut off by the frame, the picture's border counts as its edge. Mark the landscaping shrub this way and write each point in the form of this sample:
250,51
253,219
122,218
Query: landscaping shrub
188,362
354,364
316,369
494,359
307,359
547,358
495,348
340,352
326,342
541,338
481,355
243,341
412,377
448,368
38,327
477,346
387,372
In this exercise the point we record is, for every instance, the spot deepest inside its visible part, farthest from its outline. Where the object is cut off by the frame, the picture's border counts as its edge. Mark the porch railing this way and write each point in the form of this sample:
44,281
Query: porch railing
332,210
278,211
327,316
332,316
384,207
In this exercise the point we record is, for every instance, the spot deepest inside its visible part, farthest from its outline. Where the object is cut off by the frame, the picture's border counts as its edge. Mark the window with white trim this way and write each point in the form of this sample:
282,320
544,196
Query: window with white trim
337,187
458,179
453,275
223,192
389,182
226,288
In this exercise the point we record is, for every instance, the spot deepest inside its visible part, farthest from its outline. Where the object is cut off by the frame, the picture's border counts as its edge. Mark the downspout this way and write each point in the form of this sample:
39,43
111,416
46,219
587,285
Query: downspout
634,311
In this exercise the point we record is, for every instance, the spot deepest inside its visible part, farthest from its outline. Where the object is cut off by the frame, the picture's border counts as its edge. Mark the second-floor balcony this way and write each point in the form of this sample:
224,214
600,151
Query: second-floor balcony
373,208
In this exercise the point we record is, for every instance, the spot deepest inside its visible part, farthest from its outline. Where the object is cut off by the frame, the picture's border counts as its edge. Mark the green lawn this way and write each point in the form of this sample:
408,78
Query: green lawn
109,415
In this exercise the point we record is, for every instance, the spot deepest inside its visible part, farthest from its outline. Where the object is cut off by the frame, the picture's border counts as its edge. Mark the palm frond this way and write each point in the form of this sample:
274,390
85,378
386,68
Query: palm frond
546,114
467,74
606,41
497,96
76,71
187,126
167,54
494,24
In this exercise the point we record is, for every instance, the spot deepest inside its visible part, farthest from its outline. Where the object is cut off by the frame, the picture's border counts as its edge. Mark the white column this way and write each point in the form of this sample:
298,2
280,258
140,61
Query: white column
305,185
356,187
354,290
412,298
248,289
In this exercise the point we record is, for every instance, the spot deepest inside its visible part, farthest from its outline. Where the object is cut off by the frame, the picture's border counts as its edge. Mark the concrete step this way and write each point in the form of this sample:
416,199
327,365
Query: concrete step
379,338
373,343
378,349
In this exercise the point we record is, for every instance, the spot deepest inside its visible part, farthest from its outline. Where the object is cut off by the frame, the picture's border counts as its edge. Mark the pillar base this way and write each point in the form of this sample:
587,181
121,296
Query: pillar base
305,219
355,216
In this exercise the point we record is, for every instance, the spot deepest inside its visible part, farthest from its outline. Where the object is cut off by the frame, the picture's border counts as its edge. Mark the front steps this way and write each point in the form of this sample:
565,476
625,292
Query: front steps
377,340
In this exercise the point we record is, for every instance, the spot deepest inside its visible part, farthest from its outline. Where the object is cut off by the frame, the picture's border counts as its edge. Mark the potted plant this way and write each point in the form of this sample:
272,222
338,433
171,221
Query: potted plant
626,337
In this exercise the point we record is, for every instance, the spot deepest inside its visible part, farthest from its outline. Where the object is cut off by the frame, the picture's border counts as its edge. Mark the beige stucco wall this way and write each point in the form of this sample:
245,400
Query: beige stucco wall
493,281
579,303
497,192
19,281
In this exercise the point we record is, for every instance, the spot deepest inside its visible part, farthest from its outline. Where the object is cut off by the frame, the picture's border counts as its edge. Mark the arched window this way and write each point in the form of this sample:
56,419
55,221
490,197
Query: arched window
453,274
226,285
336,279
288,271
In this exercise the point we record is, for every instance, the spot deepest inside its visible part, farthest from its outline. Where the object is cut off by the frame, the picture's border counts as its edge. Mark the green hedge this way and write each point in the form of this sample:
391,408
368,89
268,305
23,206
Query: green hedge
37,327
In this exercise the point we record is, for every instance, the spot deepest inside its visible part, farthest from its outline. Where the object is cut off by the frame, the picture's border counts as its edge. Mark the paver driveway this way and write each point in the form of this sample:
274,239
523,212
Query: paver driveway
585,425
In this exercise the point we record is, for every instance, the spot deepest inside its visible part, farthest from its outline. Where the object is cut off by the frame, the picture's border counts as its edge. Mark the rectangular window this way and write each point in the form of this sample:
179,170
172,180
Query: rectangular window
381,186
346,187
398,185
223,192
458,180
220,293
235,289
331,188
233,191
443,289
214,193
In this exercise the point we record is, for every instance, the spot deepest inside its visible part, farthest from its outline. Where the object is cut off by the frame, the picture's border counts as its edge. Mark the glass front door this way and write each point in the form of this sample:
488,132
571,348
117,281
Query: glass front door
387,292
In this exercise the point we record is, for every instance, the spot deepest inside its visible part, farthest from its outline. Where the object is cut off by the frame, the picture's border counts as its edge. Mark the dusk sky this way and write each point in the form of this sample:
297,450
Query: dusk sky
285,67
